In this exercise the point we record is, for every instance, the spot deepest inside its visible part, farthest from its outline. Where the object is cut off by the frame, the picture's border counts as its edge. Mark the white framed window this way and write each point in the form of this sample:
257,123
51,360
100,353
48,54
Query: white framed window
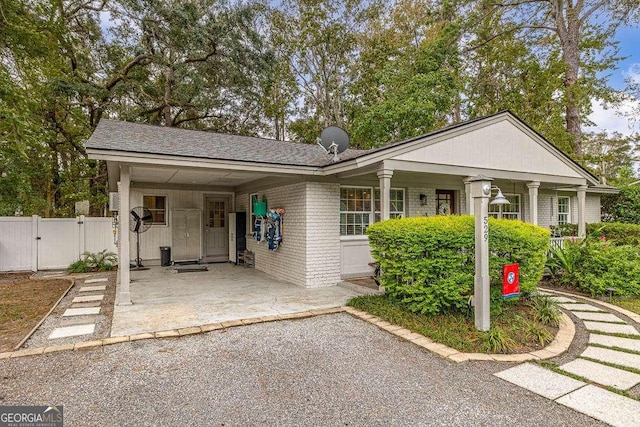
360,206
511,211
564,210
158,207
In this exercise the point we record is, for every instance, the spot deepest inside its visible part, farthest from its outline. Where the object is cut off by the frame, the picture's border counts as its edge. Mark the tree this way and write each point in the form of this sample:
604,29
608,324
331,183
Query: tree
610,155
584,30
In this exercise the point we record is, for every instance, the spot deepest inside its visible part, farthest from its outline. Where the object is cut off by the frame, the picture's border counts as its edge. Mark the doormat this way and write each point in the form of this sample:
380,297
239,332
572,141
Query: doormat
190,268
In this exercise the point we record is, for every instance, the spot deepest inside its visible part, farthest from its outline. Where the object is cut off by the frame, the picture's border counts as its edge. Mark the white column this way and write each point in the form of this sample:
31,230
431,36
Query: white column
533,201
385,192
481,192
468,198
124,294
582,205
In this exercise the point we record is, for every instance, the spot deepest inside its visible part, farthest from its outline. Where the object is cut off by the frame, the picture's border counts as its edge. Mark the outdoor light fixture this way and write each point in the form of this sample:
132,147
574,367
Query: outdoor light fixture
423,199
499,199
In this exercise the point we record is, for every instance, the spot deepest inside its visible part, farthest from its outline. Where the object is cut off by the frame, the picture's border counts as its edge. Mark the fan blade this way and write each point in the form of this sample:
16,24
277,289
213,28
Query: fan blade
147,217
135,215
136,229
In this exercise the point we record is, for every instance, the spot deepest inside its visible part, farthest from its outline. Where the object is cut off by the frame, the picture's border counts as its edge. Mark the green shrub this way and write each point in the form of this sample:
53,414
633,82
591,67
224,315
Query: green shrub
604,265
564,261
545,310
496,340
562,230
429,263
616,232
537,332
99,261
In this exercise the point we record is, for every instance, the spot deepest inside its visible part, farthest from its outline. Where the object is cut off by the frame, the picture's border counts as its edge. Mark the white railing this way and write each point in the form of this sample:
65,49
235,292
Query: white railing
557,242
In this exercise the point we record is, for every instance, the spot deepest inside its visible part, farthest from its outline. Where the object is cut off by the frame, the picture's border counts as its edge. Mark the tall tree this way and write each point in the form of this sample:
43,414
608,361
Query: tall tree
609,155
584,30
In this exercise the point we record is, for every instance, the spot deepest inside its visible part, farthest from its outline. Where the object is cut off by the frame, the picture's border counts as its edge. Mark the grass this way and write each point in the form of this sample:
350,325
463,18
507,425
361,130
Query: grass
23,302
511,326
631,304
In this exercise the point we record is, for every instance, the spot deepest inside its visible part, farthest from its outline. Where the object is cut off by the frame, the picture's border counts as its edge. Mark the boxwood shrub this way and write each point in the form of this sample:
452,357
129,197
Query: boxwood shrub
617,232
603,265
428,262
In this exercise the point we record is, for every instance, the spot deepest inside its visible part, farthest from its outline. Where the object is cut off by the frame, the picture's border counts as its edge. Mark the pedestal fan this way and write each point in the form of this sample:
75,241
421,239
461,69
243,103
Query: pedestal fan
140,219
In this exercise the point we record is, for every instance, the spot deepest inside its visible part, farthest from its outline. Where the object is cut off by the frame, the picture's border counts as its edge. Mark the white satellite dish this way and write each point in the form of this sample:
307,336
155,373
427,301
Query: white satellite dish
334,140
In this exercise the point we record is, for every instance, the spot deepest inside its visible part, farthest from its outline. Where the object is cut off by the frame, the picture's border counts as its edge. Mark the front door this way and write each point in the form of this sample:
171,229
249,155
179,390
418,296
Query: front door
216,228
445,202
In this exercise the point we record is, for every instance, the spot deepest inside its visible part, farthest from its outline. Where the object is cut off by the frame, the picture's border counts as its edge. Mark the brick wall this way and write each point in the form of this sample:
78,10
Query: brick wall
323,234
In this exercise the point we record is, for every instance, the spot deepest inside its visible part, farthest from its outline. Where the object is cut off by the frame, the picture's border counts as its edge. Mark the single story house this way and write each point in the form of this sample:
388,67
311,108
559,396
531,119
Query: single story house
191,181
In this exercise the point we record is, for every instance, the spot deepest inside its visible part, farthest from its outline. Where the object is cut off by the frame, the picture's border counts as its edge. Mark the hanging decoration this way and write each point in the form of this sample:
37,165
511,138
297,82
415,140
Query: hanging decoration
274,228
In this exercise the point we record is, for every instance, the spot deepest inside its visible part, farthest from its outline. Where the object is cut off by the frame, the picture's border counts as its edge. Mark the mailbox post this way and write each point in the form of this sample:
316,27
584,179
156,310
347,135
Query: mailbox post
480,193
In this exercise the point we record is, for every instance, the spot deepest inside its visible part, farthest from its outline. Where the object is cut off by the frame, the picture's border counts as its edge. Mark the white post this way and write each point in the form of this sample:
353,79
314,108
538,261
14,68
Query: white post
385,193
124,295
481,192
468,198
35,241
582,206
533,201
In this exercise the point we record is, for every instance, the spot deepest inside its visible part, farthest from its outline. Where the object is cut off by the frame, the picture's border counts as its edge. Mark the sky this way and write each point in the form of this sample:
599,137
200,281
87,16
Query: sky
609,120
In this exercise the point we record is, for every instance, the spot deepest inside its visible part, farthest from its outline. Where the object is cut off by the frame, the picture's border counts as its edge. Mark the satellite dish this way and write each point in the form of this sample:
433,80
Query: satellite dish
334,139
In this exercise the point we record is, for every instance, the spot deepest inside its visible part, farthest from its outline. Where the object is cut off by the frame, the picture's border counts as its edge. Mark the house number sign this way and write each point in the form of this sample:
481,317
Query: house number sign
485,228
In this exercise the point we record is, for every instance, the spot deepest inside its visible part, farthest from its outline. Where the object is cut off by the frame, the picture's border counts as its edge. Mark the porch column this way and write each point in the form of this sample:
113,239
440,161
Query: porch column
385,192
533,201
582,205
467,193
124,295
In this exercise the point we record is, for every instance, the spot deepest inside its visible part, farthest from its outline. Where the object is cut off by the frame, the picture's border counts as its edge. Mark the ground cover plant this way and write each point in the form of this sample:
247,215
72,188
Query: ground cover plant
517,325
23,302
99,261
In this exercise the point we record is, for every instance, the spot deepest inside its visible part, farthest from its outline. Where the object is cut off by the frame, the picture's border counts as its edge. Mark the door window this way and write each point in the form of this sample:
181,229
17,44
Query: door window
217,213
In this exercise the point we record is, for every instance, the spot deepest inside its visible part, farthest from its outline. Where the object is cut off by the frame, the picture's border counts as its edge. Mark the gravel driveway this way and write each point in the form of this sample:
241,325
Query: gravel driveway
326,370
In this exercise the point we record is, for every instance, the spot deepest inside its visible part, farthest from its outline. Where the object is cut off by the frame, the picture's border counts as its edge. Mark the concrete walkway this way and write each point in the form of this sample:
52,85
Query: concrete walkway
611,360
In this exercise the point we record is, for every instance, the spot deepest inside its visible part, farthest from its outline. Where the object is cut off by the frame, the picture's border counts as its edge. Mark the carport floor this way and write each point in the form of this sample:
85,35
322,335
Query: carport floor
163,299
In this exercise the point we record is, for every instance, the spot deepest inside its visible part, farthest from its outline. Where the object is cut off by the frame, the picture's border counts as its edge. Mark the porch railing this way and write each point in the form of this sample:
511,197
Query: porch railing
557,242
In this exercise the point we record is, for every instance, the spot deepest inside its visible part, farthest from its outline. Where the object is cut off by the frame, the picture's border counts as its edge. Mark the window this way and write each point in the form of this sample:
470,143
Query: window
445,202
158,207
564,210
510,211
359,206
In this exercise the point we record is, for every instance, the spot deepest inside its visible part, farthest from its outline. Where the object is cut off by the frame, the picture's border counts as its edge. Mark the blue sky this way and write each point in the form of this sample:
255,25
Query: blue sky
609,119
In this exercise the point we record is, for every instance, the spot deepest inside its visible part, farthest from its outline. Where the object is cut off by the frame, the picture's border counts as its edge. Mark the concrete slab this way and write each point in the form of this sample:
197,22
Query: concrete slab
604,405
563,299
540,381
609,341
580,307
81,311
88,298
93,288
72,331
101,279
611,328
597,316
163,300
87,304
613,356
602,374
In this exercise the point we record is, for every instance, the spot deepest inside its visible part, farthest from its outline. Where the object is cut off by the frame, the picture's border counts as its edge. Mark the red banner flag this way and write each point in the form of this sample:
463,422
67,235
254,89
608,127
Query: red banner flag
511,281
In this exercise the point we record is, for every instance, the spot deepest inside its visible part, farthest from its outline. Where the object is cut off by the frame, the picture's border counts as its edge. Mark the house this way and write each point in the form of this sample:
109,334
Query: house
191,181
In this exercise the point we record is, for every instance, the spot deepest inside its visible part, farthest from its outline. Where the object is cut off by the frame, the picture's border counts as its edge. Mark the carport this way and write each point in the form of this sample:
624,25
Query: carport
164,299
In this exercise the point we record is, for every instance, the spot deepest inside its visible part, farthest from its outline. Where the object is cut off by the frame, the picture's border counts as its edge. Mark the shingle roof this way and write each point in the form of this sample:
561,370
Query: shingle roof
142,138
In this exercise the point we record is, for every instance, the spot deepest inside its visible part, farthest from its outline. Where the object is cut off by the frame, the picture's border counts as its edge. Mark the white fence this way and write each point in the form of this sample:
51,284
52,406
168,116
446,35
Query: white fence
35,243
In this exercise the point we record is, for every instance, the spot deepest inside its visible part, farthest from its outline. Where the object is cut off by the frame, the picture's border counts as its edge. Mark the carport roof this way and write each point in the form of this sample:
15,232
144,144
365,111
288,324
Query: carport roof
114,135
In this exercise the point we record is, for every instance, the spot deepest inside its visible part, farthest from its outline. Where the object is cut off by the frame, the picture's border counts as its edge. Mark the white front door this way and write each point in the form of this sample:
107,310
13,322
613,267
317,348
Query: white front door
216,228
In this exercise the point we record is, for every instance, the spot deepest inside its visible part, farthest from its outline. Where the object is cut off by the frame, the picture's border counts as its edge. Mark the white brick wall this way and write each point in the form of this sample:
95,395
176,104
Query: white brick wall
323,234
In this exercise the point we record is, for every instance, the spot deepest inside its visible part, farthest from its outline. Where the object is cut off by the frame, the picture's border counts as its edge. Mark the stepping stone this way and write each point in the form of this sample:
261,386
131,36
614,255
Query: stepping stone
563,299
81,311
72,331
594,315
613,356
540,381
102,279
609,341
602,374
92,288
604,405
611,328
86,304
88,298
580,307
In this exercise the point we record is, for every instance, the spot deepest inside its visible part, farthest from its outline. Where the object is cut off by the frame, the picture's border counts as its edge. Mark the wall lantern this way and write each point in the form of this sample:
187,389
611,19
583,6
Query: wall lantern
499,199
423,199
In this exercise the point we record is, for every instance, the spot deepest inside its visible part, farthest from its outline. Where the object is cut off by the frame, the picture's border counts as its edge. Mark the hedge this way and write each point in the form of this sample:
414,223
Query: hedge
620,233
603,265
428,262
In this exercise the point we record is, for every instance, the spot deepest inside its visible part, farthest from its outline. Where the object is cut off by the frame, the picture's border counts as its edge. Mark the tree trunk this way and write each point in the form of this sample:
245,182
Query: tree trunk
169,75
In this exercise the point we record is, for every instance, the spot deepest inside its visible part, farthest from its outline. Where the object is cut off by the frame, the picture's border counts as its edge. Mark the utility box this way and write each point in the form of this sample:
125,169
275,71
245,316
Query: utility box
165,256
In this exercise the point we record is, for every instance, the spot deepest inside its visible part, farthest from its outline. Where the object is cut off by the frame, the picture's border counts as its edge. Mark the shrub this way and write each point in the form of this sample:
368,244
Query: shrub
604,265
545,310
564,261
562,230
496,340
429,263
617,232
99,261
79,266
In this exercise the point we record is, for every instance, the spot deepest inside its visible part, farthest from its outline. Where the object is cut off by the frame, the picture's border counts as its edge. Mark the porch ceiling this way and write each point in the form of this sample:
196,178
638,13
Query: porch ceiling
192,176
